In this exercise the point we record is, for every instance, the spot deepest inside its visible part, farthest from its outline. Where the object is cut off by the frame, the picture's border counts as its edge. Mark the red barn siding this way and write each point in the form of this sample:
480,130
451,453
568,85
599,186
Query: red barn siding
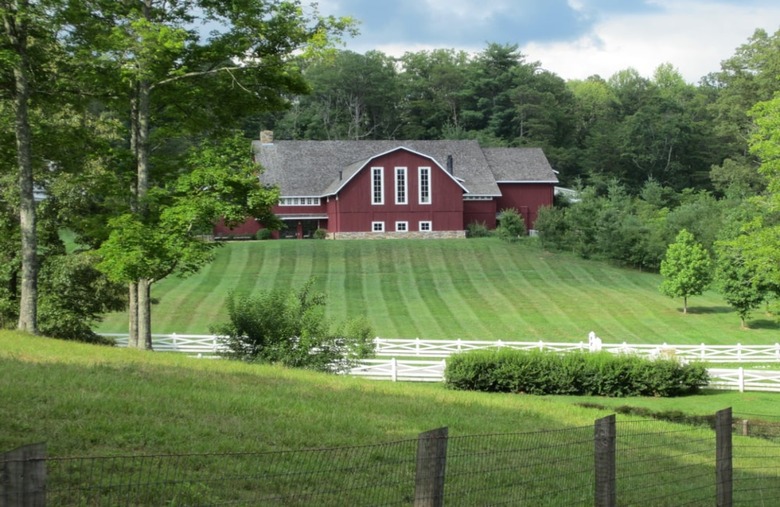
527,198
352,211
249,227
480,212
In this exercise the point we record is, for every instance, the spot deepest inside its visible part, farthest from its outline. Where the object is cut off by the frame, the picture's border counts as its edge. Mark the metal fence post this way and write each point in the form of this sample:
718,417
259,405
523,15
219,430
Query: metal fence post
723,464
604,438
23,476
431,464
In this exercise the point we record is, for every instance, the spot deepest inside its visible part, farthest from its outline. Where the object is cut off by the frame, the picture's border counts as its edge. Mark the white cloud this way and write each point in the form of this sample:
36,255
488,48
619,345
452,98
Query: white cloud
693,35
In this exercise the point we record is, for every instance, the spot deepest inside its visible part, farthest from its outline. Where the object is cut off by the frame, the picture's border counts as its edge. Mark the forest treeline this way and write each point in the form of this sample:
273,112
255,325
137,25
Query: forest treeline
626,126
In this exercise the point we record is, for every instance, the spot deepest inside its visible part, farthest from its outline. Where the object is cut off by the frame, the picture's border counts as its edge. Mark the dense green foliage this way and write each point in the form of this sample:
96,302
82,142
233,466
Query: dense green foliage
577,373
511,226
123,115
290,328
737,280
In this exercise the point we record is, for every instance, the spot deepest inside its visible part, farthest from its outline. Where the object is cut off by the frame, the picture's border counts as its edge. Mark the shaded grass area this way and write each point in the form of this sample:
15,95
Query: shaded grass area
87,400
477,289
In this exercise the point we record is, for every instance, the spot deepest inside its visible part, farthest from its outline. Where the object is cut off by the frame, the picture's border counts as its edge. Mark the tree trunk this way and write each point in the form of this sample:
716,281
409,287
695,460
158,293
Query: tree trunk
685,304
16,30
142,121
132,313
144,315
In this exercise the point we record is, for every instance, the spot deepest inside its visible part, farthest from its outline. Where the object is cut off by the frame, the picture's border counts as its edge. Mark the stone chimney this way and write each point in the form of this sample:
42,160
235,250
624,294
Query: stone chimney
266,137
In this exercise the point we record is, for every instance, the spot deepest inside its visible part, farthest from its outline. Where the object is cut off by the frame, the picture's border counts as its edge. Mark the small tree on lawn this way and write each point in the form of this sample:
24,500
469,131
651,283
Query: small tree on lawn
686,268
738,281
290,328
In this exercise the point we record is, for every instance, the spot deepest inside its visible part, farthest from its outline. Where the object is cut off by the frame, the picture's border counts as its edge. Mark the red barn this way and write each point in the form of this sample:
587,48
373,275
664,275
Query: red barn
376,189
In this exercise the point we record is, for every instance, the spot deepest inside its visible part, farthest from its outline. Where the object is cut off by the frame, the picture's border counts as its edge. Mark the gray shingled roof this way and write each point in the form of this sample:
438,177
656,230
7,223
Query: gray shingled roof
520,165
319,168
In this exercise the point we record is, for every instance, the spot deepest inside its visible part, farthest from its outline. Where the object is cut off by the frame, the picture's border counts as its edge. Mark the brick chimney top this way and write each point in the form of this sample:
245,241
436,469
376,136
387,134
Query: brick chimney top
267,137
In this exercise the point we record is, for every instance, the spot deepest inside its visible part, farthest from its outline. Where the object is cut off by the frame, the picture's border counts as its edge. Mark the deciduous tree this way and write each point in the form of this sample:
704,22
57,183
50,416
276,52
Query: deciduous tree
686,268
170,87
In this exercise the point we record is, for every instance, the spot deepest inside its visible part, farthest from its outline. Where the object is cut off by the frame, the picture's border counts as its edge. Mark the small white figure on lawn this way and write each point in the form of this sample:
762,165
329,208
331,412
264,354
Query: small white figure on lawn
594,342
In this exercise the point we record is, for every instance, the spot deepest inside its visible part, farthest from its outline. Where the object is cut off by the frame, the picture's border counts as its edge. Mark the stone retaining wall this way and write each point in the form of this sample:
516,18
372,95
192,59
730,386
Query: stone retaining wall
398,235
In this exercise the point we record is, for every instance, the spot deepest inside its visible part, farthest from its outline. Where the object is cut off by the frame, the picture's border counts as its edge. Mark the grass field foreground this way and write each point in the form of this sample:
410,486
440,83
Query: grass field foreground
88,400
477,289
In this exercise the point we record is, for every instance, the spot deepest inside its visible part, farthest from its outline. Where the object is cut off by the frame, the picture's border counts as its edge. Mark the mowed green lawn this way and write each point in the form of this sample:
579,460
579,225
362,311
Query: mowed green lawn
476,289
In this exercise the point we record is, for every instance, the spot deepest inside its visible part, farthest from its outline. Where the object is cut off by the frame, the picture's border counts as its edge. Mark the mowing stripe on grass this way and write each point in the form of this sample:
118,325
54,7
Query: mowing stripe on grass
373,277
472,303
539,307
354,274
439,319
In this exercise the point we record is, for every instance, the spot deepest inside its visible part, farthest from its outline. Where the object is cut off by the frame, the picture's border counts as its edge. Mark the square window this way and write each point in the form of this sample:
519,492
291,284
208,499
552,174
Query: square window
401,226
425,226
377,227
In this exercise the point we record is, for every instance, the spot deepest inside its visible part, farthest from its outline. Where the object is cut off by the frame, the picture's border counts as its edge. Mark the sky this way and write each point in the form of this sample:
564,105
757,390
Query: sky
572,38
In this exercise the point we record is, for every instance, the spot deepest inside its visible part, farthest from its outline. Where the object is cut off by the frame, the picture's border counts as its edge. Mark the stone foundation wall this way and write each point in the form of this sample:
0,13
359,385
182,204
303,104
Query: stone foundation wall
398,235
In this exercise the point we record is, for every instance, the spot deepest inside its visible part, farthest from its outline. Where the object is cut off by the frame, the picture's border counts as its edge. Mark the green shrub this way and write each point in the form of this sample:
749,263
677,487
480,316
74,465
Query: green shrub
290,328
578,373
478,230
320,233
511,225
264,234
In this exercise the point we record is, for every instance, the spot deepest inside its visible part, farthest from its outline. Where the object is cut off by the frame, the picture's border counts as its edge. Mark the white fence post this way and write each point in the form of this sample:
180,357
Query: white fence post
394,370
174,342
741,375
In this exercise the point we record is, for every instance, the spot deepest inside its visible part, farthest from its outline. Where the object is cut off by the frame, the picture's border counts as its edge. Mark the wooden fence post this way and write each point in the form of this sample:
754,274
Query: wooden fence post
431,464
23,476
604,438
723,464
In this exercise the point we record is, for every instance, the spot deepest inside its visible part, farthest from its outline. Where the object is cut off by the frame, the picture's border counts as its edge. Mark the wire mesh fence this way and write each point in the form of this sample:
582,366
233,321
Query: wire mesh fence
649,463
536,468
660,466
756,461
366,475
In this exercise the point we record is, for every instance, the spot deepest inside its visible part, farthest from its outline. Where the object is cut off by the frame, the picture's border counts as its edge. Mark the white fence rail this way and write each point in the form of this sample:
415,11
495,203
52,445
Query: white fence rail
397,357
439,349
745,380
187,343
711,353
395,370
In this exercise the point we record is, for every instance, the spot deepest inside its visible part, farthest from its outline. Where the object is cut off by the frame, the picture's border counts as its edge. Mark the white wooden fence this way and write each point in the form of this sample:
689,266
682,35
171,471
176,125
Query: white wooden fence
397,357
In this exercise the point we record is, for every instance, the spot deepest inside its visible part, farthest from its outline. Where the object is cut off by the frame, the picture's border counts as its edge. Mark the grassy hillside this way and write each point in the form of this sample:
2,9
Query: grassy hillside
87,400
448,289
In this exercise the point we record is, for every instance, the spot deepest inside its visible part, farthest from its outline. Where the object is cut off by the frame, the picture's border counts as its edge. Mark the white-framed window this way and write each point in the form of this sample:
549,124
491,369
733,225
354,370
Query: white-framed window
377,227
424,185
425,226
401,226
400,185
299,201
377,185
